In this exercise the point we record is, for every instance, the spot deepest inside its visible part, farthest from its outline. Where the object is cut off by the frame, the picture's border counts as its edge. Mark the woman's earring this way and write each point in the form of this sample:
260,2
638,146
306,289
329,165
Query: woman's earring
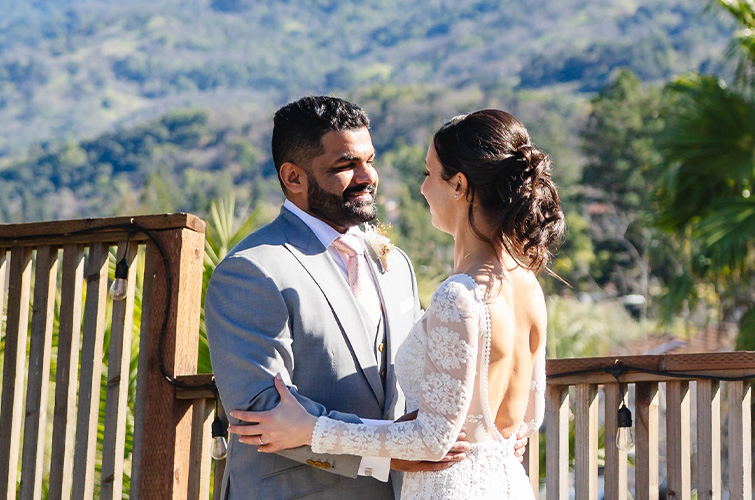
456,196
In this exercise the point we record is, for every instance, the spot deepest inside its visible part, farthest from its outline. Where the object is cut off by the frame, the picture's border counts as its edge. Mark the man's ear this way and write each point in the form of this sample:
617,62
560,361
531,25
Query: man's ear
293,177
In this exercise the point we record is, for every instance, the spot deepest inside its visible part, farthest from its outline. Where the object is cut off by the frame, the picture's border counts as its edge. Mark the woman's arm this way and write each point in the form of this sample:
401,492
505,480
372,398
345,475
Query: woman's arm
533,416
453,322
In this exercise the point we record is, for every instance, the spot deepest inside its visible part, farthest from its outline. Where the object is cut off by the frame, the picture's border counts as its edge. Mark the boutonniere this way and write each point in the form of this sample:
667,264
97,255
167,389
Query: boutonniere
378,243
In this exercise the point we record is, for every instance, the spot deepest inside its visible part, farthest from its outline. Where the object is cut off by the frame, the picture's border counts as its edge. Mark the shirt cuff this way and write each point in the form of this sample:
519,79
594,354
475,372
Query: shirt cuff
377,467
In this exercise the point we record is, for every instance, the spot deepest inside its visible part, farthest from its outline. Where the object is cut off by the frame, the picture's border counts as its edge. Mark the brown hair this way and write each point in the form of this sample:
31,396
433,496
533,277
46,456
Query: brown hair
509,178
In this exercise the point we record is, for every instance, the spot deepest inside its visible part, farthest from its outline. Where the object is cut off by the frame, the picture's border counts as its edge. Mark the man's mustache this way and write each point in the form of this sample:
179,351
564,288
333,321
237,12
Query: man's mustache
369,188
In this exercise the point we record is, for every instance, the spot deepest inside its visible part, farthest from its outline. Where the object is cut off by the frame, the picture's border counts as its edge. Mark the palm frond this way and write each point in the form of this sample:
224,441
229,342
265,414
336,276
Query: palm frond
679,291
710,127
741,48
708,146
743,11
727,233
225,229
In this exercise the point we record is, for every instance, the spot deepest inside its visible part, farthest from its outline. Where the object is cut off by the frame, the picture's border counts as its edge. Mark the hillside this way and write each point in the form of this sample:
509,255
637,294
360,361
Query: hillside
111,108
77,68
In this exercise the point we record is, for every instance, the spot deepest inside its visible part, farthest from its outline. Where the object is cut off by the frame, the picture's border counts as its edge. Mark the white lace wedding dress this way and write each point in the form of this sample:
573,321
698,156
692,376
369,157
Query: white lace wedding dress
443,370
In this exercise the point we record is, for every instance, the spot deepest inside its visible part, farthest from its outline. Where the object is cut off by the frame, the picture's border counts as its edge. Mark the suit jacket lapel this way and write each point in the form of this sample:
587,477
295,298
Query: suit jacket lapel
316,260
391,312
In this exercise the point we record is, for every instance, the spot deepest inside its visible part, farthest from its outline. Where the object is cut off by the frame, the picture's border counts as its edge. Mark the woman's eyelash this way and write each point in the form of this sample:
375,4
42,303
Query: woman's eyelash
425,173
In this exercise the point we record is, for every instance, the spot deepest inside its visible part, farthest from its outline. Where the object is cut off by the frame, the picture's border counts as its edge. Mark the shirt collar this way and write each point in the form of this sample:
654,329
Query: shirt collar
324,232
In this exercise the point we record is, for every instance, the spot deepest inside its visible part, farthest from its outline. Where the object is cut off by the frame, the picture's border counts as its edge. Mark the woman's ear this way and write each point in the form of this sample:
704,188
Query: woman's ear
293,177
459,183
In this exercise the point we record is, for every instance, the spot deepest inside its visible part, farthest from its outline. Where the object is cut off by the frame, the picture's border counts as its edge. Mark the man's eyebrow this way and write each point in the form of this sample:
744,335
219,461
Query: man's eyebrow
346,157
351,157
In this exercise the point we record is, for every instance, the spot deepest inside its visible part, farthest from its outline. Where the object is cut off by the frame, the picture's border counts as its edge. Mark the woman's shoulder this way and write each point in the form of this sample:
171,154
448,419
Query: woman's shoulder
459,284
457,297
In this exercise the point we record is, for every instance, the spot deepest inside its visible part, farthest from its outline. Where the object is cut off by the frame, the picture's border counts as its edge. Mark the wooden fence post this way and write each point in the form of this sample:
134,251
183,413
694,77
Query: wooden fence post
160,416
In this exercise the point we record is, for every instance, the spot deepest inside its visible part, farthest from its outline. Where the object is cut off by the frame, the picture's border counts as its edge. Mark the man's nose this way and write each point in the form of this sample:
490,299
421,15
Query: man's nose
366,174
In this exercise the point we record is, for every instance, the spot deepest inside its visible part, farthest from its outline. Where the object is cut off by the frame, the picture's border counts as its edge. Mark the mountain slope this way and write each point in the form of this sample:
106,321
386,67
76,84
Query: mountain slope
74,68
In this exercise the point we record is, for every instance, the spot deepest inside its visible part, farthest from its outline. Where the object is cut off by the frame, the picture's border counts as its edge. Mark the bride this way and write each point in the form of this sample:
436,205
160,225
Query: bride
476,360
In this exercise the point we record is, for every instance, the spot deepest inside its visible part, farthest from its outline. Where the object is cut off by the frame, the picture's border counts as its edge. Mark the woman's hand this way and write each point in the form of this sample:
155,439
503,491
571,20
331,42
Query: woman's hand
288,425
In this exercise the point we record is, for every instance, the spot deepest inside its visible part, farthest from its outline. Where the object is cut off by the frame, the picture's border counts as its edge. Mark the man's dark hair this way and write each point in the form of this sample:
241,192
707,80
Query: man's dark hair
299,126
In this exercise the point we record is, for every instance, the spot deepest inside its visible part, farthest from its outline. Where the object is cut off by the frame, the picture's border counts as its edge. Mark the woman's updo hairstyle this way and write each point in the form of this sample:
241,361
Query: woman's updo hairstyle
508,178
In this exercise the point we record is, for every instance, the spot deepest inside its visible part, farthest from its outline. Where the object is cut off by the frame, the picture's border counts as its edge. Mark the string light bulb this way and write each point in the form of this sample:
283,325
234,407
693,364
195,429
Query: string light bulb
119,288
624,431
219,441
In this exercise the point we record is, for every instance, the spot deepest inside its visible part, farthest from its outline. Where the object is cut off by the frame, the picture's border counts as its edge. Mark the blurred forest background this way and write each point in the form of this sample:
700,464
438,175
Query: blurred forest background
645,106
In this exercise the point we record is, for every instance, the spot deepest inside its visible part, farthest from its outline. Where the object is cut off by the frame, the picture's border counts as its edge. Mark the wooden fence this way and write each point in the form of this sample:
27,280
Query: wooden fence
53,285
58,271
681,378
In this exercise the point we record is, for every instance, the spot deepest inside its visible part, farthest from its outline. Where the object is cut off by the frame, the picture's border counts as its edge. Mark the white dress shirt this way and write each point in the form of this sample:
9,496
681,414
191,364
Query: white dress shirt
377,467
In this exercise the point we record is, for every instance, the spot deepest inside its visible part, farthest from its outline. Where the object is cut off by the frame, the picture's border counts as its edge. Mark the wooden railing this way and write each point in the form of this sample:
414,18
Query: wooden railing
59,272
693,438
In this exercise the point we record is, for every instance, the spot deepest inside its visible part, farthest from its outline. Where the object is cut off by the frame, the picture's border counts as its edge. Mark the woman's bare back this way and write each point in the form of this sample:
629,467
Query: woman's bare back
518,322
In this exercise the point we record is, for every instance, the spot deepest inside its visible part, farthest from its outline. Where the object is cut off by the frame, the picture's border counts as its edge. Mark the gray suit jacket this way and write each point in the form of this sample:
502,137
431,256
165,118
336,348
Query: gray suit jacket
279,304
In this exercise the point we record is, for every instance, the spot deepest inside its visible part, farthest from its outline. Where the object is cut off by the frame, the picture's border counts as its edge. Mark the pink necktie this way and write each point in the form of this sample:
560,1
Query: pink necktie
351,248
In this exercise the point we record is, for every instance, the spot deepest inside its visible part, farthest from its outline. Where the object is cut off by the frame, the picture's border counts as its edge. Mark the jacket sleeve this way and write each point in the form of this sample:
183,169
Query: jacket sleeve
250,342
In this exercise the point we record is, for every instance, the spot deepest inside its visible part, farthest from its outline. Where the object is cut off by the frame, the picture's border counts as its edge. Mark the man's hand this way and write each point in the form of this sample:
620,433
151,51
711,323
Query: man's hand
457,453
521,443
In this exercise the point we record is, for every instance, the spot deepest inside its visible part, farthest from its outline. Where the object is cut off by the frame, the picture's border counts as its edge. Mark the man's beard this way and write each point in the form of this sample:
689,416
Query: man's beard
340,210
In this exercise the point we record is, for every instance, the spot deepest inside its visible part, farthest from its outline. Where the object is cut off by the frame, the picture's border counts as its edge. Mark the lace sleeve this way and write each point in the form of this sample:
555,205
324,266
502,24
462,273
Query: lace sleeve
533,416
453,326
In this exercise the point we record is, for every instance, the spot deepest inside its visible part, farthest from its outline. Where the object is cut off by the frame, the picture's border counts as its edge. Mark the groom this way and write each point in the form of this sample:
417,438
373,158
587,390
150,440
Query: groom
296,298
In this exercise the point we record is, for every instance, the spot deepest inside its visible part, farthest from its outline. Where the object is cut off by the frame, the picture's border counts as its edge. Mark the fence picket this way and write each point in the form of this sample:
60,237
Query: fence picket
40,350
678,483
66,376
14,369
557,443
708,440
90,374
586,442
616,460
740,441
119,358
646,425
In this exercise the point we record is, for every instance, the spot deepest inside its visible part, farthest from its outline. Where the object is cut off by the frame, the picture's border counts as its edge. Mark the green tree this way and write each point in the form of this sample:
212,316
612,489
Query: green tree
620,143
708,175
